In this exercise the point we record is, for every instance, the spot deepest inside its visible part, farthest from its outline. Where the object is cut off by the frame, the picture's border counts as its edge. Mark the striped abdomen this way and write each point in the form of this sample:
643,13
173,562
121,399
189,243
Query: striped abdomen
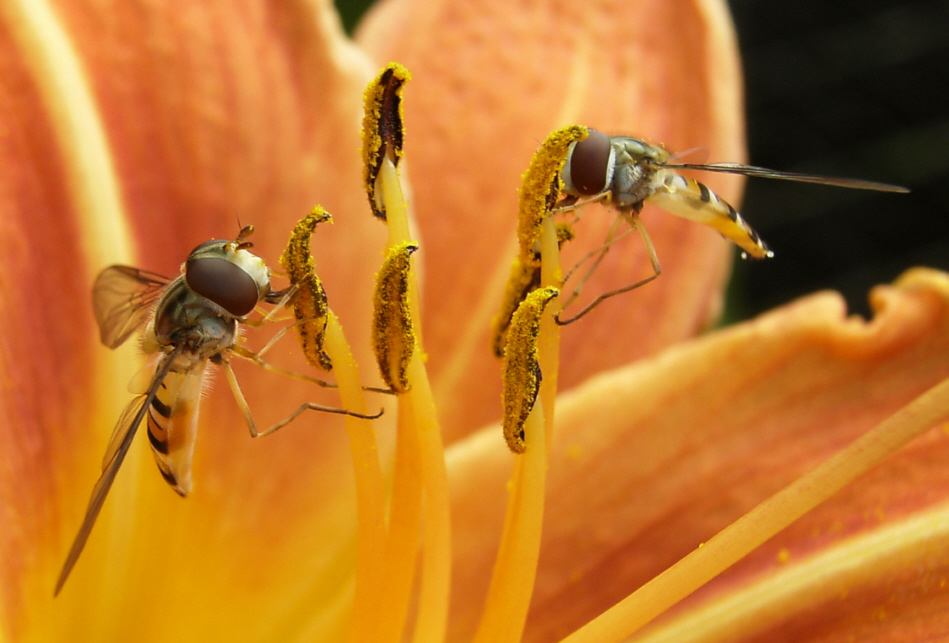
173,423
690,199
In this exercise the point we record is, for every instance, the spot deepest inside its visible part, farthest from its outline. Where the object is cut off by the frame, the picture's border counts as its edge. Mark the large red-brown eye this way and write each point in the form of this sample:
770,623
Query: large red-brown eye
223,282
589,163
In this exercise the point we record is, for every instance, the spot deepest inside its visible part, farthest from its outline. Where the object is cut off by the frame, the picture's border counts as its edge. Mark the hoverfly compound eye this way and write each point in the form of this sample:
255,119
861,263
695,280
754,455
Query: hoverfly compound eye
223,282
590,164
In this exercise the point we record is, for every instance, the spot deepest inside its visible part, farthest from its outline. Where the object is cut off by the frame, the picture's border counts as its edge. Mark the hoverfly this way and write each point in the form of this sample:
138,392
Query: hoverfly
195,319
626,172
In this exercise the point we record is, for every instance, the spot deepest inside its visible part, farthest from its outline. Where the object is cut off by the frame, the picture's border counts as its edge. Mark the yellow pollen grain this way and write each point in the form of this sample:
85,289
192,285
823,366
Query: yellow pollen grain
308,303
393,337
383,129
522,373
522,280
540,188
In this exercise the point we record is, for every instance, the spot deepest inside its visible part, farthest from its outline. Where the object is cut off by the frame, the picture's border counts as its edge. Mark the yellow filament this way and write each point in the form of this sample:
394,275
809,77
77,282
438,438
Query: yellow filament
912,543
767,519
515,568
551,239
370,490
432,616
398,564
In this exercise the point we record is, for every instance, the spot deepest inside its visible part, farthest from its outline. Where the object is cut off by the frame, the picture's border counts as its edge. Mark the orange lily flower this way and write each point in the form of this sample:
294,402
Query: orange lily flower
135,132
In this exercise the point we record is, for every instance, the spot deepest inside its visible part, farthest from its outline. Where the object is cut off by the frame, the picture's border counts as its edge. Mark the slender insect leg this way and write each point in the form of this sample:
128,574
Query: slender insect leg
249,418
579,203
251,356
599,253
239,397
310,406
256,358
278,297
653,259
276,338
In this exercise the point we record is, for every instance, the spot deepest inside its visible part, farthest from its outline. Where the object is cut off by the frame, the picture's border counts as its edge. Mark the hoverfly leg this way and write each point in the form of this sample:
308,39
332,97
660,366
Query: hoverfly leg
239,397
597,255
256,358
571,203
276,338
311,406
249,417
278,297
636,224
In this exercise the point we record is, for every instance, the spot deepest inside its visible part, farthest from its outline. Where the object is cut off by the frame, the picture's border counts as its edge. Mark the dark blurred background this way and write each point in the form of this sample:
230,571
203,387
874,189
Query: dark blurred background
852,88
856,88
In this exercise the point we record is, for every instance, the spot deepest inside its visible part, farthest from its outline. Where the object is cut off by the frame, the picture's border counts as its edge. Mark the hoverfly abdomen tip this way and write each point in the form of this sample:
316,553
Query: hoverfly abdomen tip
588,166
762,252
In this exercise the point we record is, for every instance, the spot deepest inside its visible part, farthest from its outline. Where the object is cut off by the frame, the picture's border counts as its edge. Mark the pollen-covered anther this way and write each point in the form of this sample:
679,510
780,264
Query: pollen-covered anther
541,186
522,374
308,302
522,280
393,334
382,129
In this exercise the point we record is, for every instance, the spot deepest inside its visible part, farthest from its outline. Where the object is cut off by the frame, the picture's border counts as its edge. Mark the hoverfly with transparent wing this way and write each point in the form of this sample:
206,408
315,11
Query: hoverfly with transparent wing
192,320
628,172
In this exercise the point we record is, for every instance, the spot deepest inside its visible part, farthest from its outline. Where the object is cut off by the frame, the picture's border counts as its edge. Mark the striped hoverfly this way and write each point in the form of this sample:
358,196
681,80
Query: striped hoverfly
627,172
192,320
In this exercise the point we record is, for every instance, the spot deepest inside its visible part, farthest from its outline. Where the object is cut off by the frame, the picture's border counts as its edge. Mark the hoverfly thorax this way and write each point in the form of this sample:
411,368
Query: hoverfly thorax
621,169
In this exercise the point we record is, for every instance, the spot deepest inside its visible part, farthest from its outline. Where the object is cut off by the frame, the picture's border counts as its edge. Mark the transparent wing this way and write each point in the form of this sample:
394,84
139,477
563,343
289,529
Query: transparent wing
121,299
122,436
765,173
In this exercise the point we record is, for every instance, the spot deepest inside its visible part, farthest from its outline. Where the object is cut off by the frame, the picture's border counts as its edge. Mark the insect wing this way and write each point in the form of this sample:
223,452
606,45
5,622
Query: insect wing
765,173
122,297
119,444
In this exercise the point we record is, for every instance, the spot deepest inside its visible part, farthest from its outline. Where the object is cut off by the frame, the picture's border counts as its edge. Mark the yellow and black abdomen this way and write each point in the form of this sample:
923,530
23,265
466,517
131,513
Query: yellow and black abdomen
173,423
690,199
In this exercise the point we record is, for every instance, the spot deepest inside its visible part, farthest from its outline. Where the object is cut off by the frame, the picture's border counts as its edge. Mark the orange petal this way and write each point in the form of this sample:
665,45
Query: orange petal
652,459
209,115
887,583
490,82
49,339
